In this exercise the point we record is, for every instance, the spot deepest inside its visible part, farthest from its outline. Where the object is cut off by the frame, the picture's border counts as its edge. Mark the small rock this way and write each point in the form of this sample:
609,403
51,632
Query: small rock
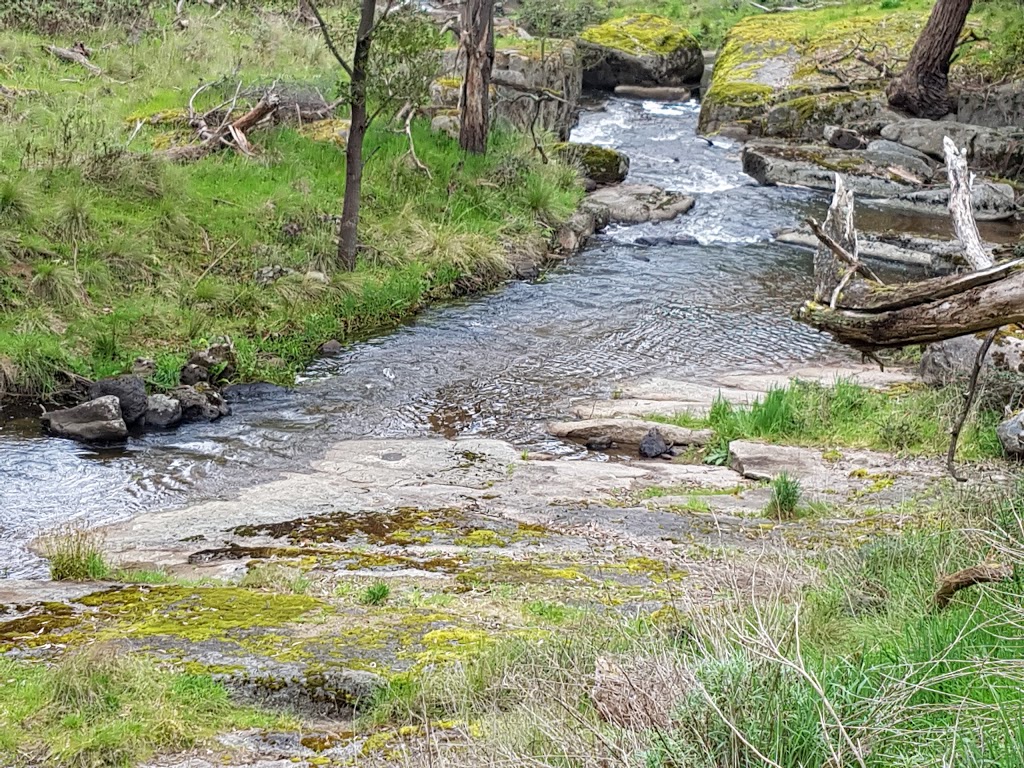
193,374
98,420
267,275
603,165
144,367
446,124
130,391
196,405
1011,435
163,412
218,359
318,277
843,138
639,203
600,443
653,445
331,348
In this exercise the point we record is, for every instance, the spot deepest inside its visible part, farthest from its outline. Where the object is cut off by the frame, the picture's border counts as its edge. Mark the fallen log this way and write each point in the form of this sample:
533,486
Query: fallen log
968,577
228,134
971,311
77,54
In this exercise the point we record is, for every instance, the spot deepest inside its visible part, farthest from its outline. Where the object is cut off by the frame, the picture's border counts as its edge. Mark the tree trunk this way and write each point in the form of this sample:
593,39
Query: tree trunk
477,44
923,87
348,229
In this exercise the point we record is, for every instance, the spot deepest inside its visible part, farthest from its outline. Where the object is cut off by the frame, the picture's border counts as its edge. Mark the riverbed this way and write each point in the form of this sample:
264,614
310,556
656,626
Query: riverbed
498,365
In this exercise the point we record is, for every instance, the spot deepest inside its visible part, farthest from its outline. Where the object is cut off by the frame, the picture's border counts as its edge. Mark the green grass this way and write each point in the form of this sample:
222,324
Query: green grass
860,653
906,420
75,554
376,594
785,499
108,254
99,708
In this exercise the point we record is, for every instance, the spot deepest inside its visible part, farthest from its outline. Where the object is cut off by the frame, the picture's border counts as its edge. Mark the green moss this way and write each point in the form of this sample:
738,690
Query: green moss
193,613
602,164
334,131
375,527
481,537
643,34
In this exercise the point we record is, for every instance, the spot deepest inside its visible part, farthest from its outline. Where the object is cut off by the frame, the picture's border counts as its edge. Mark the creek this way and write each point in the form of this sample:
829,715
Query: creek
498,365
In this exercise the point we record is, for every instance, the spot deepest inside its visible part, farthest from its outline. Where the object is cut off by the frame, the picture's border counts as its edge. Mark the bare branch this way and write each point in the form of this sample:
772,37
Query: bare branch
328,40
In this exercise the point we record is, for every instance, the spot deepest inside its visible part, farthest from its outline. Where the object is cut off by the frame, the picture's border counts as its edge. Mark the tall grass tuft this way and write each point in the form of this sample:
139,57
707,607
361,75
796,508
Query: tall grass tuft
75,554
785,499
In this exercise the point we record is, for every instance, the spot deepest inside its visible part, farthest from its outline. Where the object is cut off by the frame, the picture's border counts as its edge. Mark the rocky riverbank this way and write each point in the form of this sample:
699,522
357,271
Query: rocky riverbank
808,100
467,535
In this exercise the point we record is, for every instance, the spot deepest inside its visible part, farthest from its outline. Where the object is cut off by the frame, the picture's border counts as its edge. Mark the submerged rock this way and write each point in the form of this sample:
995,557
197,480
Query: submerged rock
256,390
603,165
653,444
644,50
163,412
639,203
130,392
98,420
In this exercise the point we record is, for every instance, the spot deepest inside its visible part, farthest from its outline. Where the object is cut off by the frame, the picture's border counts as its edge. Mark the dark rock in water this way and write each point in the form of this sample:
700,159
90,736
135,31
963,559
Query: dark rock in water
843,138
129,390
257,390
98,420
193,374
163,412
653,445
332,347
600,443
652,241
199,406
1011,435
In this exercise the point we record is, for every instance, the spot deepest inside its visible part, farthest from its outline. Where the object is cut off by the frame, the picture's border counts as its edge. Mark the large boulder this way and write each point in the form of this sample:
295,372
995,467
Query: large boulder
952,361
602,165
98,420
998,151
130,391
769,78
645,50
878,173
998,106
163,412
639,203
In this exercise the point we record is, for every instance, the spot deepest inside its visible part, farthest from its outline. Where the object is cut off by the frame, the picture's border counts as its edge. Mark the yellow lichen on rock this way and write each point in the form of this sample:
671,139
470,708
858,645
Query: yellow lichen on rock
334,131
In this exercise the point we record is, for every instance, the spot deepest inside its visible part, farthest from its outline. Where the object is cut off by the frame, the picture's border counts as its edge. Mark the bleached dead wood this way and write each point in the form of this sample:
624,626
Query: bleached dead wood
77,54
961,180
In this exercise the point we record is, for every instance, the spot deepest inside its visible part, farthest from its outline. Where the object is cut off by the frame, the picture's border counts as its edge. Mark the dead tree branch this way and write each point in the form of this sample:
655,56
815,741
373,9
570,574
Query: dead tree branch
972,387
968,577
227,134
76,54
961,209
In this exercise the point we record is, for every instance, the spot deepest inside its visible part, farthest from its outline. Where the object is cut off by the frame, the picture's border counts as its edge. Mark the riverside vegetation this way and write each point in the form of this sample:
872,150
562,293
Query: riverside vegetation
107,253
510,649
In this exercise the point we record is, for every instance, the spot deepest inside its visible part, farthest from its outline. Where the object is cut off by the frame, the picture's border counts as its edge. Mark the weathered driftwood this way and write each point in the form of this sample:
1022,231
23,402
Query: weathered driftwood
968,577
227,134
867,315
77,54
961,180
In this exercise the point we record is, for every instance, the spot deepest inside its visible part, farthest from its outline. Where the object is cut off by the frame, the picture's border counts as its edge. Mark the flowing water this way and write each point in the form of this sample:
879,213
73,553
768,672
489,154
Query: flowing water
499,365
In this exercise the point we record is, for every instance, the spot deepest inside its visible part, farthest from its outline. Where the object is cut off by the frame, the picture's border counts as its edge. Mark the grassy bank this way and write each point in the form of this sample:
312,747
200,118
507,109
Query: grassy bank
107,254
101,708
861,669
909,420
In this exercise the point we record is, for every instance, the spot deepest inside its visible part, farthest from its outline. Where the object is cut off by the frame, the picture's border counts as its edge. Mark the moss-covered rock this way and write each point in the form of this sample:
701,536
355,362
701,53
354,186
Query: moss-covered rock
601,165
801,60
645,50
